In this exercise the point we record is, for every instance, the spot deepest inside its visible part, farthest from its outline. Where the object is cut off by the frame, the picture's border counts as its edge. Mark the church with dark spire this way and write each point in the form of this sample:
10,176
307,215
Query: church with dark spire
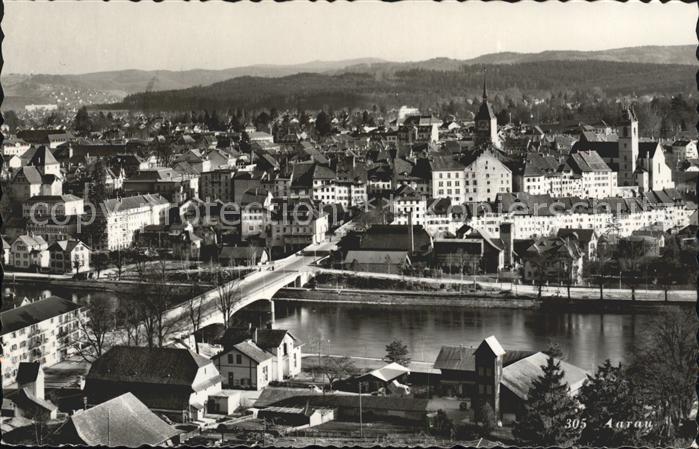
486,122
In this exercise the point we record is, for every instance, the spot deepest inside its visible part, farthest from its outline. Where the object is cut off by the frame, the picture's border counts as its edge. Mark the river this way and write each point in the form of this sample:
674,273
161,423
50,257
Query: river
362,330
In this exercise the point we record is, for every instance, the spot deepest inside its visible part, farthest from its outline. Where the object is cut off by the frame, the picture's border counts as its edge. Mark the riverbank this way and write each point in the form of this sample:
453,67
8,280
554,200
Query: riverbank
405,298
473,299
328,278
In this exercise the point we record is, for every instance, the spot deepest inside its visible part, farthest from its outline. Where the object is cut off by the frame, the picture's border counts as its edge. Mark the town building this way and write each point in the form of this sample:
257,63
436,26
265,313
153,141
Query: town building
126,216
69,256
251,358
29,252
477,177
172,382
502,378
45,331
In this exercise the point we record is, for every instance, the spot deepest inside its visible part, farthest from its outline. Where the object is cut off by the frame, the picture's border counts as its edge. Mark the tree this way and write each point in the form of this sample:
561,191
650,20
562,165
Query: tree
487,418
667,271
99,261
118,258
226,296
554,350
664,367
156,301
442,425
337,368
609,395
129,317
96,324
323,124
397,352
11,120
96,195
547,409
82,123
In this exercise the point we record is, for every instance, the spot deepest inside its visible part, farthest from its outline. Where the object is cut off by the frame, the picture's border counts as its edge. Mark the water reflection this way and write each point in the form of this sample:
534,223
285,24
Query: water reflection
586,339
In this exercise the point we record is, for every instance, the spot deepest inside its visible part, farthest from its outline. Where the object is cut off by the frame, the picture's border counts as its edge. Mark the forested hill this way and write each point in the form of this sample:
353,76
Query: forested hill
424,87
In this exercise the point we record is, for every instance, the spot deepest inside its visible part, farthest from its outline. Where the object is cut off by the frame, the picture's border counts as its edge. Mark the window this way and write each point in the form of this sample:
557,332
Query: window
231,378
230,358
238,359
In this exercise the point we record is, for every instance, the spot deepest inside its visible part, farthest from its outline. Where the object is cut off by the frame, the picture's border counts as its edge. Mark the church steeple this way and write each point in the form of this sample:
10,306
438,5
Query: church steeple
485,91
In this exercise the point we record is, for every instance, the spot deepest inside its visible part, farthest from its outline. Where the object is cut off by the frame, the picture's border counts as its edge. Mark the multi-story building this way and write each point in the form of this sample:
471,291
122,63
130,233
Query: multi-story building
598,180
57,205
125,216
29,251
45,331
408,206
296,224
251,358
545,175
479,177
173,185
69,256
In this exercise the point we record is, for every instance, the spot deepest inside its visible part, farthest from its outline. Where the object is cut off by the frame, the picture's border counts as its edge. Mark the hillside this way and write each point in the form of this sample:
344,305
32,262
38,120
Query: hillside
125,82
677,54
107,87
427,87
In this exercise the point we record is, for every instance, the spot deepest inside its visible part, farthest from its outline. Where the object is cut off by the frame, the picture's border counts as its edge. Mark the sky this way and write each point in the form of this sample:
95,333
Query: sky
67,36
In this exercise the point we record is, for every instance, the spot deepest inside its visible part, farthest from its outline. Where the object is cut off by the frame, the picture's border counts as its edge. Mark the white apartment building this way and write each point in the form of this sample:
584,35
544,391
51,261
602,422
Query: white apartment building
44,331
408,205
598,180
125,216
477,179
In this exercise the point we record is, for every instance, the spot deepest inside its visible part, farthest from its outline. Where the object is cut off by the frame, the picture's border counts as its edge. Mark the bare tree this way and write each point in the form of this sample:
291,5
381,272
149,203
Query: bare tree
337,368
129,318
226,296
156,303
96,325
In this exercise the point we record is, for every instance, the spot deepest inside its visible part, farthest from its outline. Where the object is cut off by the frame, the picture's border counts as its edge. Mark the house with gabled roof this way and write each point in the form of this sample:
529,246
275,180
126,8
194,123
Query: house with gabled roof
69,256
174,382
251,358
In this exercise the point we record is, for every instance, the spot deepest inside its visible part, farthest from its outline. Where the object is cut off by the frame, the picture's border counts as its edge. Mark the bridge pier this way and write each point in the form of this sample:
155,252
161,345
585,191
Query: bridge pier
272,313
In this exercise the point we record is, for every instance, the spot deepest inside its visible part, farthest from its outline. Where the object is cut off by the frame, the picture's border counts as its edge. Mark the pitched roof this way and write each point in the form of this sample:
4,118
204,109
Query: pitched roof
251,350
389,372
163,366
133,202
27,372
31,174
494,345
588,161
39,157
33,313
518,376
446,163
395,238
122,421
457,358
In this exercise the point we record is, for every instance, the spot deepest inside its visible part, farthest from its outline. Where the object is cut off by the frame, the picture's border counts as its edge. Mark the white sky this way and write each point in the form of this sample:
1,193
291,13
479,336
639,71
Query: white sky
66,36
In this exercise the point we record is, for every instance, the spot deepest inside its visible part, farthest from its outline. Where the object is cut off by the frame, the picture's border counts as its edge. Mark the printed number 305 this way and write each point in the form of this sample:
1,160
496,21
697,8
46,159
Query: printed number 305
575,423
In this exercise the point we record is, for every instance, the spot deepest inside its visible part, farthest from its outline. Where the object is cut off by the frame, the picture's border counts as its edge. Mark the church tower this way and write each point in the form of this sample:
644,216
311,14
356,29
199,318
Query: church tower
628,148
486,122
